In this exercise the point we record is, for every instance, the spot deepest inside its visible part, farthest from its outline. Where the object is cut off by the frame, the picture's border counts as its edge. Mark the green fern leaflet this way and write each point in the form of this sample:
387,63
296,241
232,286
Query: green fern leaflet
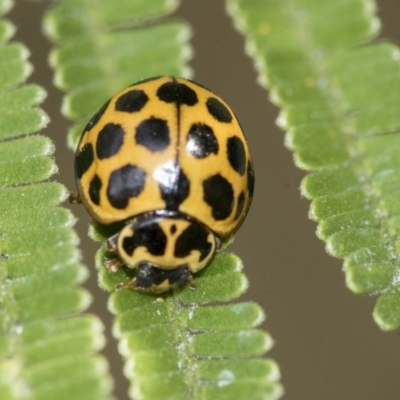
338,90
48,348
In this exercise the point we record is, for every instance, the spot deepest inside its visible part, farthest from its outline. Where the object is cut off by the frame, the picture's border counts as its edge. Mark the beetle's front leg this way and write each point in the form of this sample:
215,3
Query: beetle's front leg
114,264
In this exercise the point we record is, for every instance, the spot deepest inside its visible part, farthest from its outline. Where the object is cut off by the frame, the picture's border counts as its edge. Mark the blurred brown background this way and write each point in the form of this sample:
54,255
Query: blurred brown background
327,345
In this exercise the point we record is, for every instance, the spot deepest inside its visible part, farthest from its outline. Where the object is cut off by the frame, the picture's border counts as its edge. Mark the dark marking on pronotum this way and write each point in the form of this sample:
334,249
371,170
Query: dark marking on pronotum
174,189
83,160
219,195
194,237
236,154
147,276
172,229
109,140
149,235
218,110
240,205
175,92
153,133
124,183
94,189
131,101
201,141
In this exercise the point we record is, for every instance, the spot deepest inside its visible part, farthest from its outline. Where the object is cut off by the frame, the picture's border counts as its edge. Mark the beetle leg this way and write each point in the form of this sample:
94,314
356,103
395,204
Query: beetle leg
114,264
74,198
112,243
191,282
132,284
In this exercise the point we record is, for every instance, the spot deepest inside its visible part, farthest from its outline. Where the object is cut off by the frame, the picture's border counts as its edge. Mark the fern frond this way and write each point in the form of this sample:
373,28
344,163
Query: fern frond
178,346
338,90
48,348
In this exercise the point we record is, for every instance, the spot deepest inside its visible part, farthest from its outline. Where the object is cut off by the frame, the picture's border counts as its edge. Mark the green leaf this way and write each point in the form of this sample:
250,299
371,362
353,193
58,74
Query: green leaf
387,310
176,344
338,92
48,347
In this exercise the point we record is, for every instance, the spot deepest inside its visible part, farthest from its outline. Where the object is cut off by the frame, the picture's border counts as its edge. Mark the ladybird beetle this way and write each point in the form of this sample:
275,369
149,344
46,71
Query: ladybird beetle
168,158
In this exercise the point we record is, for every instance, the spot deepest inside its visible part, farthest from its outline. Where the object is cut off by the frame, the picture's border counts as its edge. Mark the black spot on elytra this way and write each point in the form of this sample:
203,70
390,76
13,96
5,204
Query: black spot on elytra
124,183
83,160
250,179
174,188
150,236
218,110
201,141
109,141
94,189
153,133
131,101
194,237
175,92
147,276
240,205
219,195
172,229
96,117
236,154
